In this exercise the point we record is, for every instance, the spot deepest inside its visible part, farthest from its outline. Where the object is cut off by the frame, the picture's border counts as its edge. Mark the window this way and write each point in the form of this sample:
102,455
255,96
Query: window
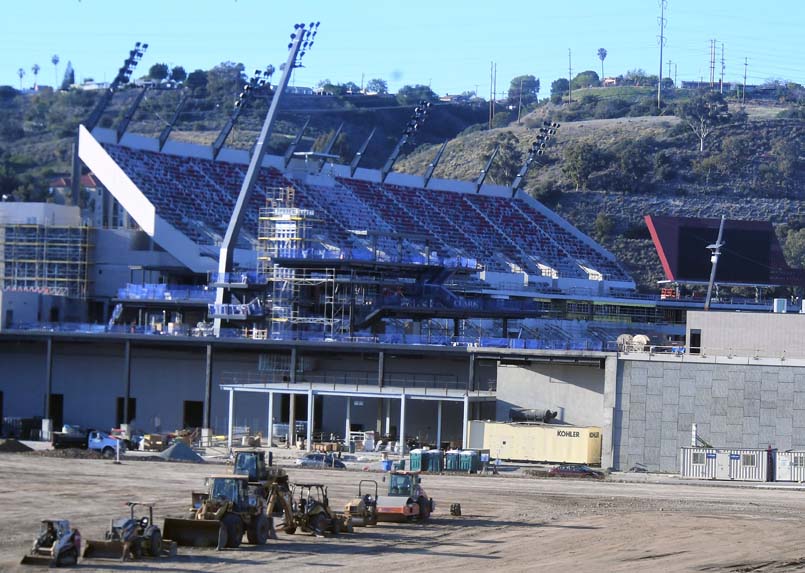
748,460
698,458
798,460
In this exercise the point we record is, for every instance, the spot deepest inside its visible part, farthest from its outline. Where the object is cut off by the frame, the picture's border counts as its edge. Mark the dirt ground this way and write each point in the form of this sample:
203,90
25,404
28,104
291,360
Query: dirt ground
508,523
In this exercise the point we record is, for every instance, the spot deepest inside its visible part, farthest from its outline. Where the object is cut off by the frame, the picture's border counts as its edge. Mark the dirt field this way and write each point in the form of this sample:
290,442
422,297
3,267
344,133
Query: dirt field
509,523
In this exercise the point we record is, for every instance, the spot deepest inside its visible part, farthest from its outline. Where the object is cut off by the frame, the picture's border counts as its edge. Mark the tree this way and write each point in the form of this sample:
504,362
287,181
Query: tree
585,79
351,87
55,61
225,80
69,76
197,80
508,160
602,55
178,74
582,160
35,69
410,95
523,90
603,226
703,113
794,248
158,72
21,74
377,86
559,88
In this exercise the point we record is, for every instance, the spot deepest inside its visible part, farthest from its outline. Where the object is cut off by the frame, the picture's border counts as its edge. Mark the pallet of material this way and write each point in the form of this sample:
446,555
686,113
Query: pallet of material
153,443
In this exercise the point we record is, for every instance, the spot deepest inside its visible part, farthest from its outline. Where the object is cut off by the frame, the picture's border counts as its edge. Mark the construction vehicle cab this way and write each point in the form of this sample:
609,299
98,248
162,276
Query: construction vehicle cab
271,483
141,534
55,545
362,510
251,462
406,499
221,515
312,513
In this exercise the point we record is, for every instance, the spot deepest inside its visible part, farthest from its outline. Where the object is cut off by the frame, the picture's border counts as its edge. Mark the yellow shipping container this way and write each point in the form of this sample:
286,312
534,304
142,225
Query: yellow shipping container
537,442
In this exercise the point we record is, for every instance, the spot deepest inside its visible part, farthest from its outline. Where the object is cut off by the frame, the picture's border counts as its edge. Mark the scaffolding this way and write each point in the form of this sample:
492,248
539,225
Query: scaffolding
302,299
45,259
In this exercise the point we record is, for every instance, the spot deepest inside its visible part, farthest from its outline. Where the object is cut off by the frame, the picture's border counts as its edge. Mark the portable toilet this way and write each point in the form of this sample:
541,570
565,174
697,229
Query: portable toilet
435,461
416,460
452,461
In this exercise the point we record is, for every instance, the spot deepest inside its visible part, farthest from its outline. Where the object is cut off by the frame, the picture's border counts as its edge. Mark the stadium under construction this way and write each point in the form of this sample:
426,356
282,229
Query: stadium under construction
366,299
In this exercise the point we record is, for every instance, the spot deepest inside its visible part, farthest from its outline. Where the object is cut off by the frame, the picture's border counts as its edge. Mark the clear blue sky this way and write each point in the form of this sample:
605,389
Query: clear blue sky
448,45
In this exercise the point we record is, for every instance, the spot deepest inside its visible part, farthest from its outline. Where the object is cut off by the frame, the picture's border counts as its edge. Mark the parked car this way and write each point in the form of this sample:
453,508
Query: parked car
579,471
319,460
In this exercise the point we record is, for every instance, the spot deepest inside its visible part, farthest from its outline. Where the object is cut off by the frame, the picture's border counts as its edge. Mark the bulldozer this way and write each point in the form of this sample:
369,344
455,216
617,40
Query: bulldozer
406,499
221,515
55,545
142,535
312,514
362,510
271,483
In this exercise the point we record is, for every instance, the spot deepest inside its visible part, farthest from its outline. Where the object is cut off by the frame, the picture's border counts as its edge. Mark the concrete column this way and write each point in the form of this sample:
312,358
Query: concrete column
48,376
310,417
126,380
270,436
439,424
465,421
347,424
471,374
230,421
207,415
379,420
402,426
388,416
381,368
609,457
292,421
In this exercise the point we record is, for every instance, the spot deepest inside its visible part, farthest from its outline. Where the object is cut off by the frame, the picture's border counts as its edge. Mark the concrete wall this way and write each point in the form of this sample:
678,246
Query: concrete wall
20,307
576,392
749,333
735,404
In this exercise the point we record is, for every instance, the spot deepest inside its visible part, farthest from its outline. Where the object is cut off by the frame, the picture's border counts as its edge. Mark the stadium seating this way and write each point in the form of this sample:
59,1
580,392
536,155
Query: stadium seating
197,196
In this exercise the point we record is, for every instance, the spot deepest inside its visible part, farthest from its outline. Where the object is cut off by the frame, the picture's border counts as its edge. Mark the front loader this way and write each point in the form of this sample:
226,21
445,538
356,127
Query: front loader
220,516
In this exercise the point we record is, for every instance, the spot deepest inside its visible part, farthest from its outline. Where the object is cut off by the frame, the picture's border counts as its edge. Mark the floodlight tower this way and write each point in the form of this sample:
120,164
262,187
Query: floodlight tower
259,81
123,76
417,119
715,252
546,133
301,41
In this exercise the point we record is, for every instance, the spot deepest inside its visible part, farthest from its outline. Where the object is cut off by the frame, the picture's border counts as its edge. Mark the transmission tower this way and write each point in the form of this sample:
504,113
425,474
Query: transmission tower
662,23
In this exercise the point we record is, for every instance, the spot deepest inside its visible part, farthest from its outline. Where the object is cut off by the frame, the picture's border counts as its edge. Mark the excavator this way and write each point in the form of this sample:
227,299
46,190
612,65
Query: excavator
271,483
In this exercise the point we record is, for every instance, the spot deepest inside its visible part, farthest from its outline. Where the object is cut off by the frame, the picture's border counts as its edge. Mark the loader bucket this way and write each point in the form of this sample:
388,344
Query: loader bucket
195,532
103,549
38,560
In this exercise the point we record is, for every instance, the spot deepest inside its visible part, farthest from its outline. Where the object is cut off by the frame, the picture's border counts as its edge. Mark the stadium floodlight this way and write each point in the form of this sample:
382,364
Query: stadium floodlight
538,148
414,124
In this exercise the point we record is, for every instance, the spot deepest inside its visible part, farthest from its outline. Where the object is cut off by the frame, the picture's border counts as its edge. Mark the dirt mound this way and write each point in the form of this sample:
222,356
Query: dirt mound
72,453
13,446
180,452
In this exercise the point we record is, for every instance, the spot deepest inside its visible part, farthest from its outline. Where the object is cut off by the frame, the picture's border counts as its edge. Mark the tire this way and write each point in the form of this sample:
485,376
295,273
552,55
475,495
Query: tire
260,531
424,508
234,530
108,453
337,528
155,542
223,537
318,523
69,557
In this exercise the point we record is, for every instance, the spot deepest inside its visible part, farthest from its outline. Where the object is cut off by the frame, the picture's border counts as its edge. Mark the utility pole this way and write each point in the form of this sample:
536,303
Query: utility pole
712,63
494,89
520,102
569,78
743,96
722,67
675,72
491,93
663,4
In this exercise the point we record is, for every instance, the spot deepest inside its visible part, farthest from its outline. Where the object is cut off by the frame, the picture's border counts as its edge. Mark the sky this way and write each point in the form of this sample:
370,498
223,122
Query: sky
448,45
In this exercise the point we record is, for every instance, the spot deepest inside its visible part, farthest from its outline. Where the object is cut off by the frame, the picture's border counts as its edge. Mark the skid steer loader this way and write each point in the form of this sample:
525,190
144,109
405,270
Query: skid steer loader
143,536
55,545
221,515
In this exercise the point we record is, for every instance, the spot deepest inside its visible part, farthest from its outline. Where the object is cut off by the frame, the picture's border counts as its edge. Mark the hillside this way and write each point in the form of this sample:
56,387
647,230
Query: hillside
612,161
604,175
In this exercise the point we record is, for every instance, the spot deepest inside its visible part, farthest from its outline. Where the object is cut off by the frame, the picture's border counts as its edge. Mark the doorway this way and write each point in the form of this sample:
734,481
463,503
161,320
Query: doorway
193,414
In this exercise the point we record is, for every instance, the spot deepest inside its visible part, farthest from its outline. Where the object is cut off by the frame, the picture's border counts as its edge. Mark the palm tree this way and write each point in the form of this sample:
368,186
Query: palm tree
55,61
21,74
35,69
602,54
